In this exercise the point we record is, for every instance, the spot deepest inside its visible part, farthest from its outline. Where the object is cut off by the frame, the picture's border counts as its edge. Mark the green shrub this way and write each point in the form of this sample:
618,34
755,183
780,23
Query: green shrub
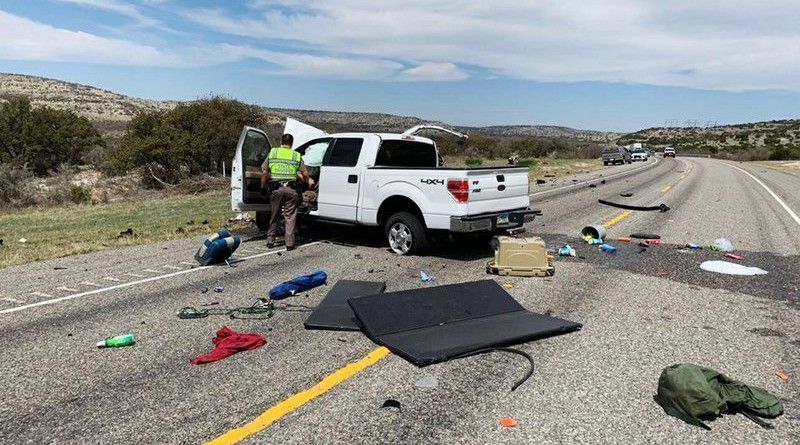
42,138
527,163
192,138
784,153
473,162
79,194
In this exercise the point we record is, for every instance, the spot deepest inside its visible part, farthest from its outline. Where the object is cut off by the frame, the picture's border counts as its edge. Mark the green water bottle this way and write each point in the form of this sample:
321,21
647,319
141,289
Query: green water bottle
117,342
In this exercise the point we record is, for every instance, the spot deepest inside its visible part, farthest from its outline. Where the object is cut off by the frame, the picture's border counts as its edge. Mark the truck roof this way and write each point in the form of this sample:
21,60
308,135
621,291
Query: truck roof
384,136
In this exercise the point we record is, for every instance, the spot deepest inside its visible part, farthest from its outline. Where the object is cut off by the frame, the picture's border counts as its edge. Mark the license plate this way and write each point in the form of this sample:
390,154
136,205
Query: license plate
502,218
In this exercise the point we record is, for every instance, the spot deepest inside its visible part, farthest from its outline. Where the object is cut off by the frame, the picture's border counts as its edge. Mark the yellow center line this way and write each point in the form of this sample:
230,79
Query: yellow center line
666,189
613,221
290,404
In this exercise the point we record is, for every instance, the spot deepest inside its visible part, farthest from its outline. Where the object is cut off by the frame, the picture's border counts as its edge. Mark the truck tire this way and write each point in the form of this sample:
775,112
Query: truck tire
262,220
405,234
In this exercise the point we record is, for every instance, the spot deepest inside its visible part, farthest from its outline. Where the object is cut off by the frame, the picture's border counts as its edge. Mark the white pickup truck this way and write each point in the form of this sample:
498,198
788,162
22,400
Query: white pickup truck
393,181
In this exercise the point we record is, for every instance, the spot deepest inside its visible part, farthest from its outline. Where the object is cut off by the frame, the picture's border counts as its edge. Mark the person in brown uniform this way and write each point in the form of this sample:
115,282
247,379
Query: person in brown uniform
281,174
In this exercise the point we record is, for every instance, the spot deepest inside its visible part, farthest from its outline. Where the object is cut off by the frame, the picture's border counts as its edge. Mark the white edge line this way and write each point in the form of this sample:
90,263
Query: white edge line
780,201
132,283
578,184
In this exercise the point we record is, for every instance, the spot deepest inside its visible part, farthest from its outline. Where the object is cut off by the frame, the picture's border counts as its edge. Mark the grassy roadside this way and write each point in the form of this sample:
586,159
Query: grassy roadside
63,231
550,167
790,167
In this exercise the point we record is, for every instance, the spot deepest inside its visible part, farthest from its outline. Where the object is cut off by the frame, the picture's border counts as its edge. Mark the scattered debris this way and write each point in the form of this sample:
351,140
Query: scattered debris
729,268
733,256
1,242
540,181
243,217
722,245
692,393
591,186
653,242
603,181
608,248
694,246
782,375
566,250
217,248
117,342
661,207
427,382
626,194
218,287
357,256
23,240
597,231
663,274
341,339
508,285
645,236
623,239
425,277
508,422
227,343
59,268
204,290
392,403
298,284
210,303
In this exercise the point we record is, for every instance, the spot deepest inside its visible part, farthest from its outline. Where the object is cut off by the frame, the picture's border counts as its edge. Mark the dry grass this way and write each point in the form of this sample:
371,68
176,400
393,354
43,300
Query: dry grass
790,167
64,231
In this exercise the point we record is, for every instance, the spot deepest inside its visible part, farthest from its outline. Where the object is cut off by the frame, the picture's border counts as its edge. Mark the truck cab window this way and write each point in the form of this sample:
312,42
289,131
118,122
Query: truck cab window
343,153
400,153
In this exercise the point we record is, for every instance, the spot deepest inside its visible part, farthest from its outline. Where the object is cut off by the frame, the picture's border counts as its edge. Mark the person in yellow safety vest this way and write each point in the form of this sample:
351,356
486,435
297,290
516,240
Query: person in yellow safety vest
280,174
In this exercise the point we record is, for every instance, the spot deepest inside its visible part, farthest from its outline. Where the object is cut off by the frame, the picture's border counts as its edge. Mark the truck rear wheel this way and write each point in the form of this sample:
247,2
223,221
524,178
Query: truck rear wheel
405,233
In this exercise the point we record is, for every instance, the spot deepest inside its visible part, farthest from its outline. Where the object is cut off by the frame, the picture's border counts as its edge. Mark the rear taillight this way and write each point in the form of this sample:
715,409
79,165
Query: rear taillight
459,188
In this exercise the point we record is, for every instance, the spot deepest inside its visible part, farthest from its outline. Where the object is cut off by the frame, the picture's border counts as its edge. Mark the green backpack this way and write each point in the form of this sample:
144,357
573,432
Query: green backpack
693,394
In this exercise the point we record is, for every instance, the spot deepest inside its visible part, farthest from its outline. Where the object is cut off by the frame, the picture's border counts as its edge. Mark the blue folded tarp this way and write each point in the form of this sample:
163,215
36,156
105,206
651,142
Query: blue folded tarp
298,284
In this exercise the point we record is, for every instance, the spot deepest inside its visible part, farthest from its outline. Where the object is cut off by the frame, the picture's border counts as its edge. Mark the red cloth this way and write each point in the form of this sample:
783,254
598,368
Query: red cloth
229,342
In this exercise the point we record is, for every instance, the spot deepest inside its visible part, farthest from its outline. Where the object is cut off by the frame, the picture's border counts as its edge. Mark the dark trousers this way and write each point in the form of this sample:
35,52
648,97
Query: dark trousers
283,199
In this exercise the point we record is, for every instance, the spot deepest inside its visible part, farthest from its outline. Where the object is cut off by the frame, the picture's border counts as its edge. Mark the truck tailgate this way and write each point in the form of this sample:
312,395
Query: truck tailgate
494,190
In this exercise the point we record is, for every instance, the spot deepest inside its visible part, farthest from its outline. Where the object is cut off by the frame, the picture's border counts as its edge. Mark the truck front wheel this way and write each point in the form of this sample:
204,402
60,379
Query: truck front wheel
262,220
405,233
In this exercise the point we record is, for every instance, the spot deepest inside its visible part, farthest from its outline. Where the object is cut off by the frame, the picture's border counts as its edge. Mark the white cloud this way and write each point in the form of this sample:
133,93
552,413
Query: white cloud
717,44
24,39
118,7
433,71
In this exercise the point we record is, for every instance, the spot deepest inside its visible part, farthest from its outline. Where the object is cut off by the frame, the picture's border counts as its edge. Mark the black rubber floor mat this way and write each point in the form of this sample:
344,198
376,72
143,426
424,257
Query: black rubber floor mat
333,313
434,324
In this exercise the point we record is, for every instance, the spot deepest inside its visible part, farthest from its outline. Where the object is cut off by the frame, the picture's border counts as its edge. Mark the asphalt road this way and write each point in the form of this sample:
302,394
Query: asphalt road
641,311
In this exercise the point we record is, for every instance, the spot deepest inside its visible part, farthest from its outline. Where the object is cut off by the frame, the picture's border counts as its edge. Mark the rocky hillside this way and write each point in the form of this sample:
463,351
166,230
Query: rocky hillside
726,138
111,110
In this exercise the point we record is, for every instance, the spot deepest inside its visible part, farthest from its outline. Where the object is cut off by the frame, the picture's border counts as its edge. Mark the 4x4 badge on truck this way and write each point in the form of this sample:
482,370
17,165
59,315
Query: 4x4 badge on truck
432,181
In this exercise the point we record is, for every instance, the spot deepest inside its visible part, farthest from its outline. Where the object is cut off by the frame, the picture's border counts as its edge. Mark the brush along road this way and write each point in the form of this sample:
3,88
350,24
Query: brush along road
640,313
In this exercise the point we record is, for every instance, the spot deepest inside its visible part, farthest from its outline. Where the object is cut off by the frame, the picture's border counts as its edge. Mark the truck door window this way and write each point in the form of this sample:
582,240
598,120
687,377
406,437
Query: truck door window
399,153
343,153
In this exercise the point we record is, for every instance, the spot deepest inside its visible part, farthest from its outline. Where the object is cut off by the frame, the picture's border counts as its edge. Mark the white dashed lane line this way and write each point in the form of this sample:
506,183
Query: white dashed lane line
41,294
89,283
116,280
67,289
151,271
135,275
134,283
172,267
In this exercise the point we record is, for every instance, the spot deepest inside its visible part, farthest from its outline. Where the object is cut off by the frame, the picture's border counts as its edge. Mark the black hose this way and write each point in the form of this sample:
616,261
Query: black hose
661,207
511,350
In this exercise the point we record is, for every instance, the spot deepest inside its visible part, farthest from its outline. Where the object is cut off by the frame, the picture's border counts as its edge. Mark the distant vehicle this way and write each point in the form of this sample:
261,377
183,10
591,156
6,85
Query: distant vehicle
639,155
669,152
394,181
614,155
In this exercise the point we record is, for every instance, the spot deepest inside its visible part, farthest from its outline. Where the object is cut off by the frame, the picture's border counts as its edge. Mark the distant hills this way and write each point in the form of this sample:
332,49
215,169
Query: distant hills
110,111
725,138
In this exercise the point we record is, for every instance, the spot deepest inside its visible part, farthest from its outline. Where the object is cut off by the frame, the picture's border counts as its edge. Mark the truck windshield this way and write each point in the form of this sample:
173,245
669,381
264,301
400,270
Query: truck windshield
400,153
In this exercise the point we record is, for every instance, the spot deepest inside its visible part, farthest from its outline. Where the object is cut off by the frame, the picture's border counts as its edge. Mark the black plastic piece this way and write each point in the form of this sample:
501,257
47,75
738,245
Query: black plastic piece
434,324
333,313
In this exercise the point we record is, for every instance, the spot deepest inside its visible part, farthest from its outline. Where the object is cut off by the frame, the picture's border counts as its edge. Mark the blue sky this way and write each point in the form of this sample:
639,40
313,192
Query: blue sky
594,64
